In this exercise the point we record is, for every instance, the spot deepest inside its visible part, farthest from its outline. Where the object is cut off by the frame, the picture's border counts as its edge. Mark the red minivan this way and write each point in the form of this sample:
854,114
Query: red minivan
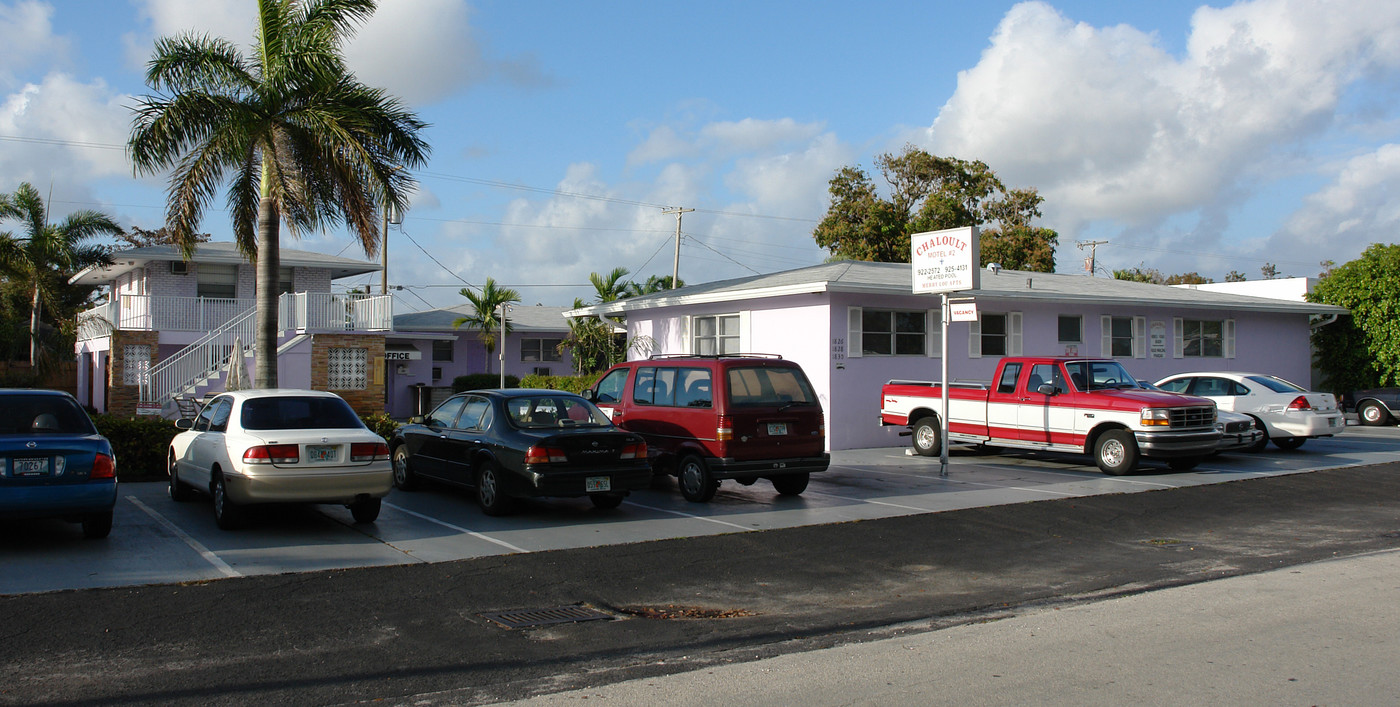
733,416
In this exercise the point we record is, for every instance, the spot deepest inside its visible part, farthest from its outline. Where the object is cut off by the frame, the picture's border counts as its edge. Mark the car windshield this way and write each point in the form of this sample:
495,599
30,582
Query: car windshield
548,411
1099,375
1278,385
769,385
43,414
298,413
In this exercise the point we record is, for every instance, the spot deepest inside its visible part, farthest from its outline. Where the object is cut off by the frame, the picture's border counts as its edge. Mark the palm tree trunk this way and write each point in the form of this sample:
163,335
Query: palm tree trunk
34,331
268,288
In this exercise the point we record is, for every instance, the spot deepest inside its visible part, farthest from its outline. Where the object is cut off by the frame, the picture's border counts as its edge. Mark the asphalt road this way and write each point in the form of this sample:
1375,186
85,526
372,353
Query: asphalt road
415,633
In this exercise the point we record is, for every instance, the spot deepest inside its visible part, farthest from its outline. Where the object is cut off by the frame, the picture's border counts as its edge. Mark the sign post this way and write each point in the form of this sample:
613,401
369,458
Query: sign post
943,262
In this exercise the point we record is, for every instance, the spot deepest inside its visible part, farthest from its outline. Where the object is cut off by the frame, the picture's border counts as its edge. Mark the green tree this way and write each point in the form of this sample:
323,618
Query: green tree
1140,274
929,193
486,314
610,287
137,237
1188,278
1269,271
652,285
1235,276
298,136
44,256
1361,350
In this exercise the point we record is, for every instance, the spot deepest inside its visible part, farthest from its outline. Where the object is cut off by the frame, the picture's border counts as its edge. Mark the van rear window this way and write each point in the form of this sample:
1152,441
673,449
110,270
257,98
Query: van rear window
766,385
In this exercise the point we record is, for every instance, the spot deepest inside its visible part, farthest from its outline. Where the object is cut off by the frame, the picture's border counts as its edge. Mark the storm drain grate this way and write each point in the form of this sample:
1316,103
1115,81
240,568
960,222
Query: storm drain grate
526,618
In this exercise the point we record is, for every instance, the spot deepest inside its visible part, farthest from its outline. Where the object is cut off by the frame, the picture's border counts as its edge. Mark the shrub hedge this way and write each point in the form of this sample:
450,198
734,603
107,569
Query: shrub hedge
140,444
572,384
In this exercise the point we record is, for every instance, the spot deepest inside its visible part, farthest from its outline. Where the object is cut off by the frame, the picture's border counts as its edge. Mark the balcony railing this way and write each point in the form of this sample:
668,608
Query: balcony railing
297,311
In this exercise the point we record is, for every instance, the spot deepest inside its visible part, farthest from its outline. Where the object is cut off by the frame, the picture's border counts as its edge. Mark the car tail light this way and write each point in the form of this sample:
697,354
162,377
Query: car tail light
272,454
369,452
634,451
545,455
1299,403
724,430
103,467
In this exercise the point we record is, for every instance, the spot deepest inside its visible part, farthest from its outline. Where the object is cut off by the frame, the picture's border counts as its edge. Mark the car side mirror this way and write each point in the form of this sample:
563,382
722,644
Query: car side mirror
1046,389
417,420
185,423
590,395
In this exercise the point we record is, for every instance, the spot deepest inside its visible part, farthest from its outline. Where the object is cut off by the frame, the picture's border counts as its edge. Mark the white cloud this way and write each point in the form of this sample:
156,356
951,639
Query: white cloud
27,38
1358,208
1108,125
73,132
721,140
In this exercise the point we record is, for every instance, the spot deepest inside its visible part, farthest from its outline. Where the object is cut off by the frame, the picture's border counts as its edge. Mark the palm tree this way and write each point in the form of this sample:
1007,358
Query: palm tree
610,287
653,284
297,135
48,254
485,313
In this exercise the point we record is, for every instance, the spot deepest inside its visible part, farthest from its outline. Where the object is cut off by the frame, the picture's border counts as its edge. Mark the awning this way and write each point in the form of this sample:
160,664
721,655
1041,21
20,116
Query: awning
402,352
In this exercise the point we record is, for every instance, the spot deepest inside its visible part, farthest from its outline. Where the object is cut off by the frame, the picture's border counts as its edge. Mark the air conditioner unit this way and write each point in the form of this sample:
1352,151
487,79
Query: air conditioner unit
179,267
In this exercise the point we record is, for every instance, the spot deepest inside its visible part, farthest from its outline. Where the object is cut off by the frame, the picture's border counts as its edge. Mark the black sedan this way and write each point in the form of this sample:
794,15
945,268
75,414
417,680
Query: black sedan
521,443
1377,406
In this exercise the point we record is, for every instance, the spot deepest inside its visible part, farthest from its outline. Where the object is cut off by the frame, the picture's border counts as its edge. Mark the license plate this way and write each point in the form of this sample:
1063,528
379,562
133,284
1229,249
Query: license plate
31,467
597,483
321,453
777,428
1331,422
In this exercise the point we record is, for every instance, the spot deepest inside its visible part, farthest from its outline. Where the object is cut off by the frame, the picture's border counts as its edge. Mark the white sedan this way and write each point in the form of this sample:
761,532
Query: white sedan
1289,413
279,446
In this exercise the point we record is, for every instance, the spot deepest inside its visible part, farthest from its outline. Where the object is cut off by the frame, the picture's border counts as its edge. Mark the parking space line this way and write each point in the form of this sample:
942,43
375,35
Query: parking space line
866,500
457,528
689,515
195,545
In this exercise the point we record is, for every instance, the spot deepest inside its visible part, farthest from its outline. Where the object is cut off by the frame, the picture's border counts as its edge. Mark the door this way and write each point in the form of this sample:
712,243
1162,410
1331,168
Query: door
1036,413
608,394
464,440
209,448
428,445
1003,403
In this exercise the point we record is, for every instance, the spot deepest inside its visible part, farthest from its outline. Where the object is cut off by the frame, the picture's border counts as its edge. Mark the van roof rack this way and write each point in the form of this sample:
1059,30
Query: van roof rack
656,357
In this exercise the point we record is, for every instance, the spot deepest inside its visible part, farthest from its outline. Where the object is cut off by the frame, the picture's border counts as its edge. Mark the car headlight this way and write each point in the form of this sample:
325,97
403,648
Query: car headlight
1156,417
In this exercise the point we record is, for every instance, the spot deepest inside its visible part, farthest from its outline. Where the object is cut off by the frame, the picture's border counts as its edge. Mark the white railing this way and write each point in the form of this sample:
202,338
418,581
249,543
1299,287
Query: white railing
200,360
305,311
151,313
97,322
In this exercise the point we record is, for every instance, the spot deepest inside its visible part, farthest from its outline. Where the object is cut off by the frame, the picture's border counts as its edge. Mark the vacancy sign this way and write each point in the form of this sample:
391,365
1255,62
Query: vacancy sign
945,261
962,311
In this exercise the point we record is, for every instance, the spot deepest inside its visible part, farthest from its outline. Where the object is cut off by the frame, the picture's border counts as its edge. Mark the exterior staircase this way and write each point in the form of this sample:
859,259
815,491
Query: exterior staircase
200,363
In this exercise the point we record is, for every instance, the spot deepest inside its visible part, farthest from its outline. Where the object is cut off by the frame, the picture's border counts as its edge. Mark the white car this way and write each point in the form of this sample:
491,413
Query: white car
1289,413
279,446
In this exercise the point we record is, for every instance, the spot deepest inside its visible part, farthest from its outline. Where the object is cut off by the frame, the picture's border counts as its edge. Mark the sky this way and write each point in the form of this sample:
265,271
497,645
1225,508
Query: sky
1186,137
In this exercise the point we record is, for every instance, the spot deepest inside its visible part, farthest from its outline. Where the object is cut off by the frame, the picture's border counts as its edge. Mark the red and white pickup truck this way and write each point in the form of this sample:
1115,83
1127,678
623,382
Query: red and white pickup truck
1088,406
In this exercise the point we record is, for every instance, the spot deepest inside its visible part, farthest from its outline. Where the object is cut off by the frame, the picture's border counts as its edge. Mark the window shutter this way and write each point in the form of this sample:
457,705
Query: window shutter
933,333
1013,334
745,341
974,337
854,349
1139,337
1229,335
1178,333
1106,329
687,345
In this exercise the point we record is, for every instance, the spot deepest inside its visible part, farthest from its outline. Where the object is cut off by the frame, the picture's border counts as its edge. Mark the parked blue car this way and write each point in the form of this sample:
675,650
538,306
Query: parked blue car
53,462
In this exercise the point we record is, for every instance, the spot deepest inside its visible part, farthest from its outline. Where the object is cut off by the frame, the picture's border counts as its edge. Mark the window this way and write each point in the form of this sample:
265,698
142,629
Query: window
718,334
1043,373
215,280
655,386
1009,374
446,413
893,333
473,413
1071,329
539,349
292,413
610,388
693,388
347,369
1202,339
442,350
994,334
437,373
1123,337
769,386
136,363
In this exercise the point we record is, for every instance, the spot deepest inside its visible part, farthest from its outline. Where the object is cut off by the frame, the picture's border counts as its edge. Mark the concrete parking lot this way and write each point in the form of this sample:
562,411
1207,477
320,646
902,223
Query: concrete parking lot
155,540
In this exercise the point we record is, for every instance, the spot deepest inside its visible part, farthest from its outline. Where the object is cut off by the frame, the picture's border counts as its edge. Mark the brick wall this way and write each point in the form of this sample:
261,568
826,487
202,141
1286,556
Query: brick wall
122,399
366,401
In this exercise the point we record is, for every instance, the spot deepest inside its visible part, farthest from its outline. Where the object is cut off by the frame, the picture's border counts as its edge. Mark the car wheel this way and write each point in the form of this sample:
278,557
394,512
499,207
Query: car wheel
404,478
1263,438
1289,443
1373,413
928,435
695,481
179,492
1183,463
606,501
97,525
1116,452
489,494
365,510
227,514
791,484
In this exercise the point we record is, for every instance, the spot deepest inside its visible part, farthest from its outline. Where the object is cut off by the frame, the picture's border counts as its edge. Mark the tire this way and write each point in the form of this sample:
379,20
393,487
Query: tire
1289,443
791,484
606,501
227,514
489,494
697,485
365,510
97,525
1263,439
1116,452
928,437
404,478
179,492
1183,463
1373,414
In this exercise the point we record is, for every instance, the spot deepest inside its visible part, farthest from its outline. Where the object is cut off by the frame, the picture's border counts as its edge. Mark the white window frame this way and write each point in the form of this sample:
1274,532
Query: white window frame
1139,340
855,335
1013,333
740,339
548,353
1227,337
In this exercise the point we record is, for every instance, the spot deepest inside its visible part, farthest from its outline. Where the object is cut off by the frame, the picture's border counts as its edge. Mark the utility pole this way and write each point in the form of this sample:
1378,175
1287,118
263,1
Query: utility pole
676,265
1093,251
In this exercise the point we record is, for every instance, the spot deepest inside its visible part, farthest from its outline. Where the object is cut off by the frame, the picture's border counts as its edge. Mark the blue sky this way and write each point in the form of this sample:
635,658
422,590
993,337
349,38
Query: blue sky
1190,137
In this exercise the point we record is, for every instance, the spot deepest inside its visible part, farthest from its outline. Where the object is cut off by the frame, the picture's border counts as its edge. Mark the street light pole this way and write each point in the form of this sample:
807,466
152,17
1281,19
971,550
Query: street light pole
501,350
391,215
